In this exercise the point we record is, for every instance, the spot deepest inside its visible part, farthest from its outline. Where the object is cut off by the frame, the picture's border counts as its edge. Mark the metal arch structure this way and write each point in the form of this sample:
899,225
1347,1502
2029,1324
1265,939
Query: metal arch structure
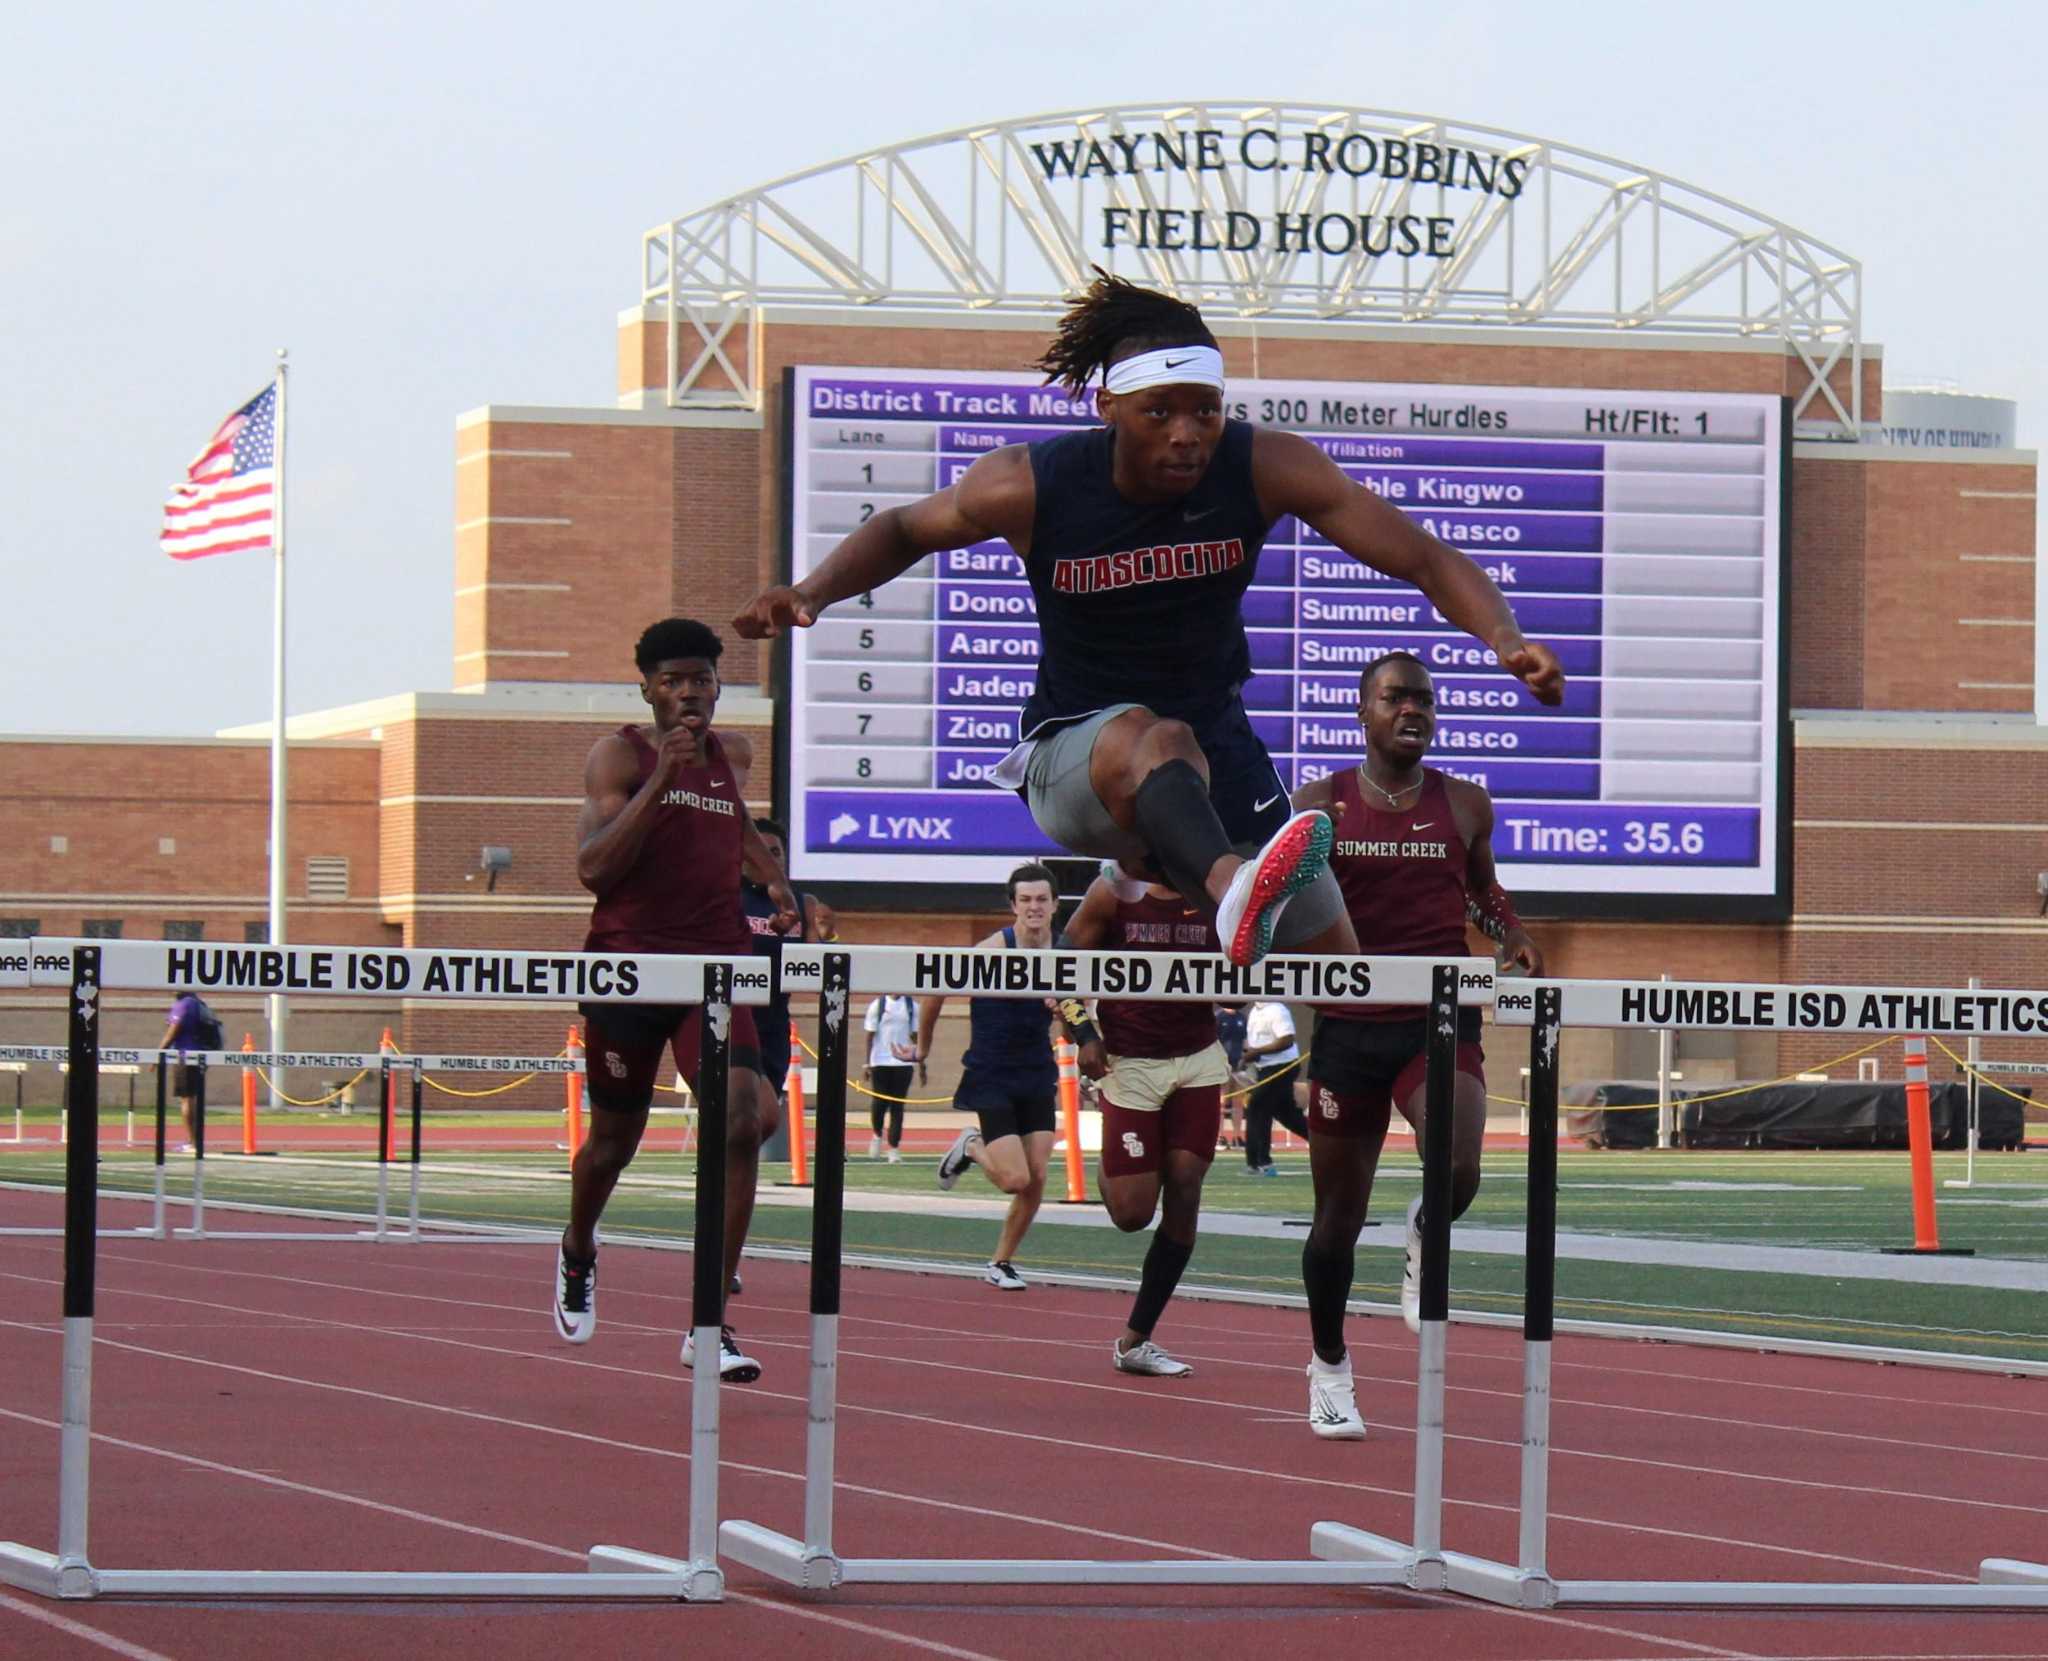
1006,219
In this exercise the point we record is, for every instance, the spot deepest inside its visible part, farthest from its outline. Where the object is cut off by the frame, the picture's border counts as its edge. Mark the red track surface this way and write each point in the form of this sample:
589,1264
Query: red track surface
353,1406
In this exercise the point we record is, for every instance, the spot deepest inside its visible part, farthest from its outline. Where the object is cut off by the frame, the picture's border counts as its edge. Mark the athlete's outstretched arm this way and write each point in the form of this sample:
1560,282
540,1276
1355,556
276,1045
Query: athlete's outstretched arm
993,498
1087,931
1293,476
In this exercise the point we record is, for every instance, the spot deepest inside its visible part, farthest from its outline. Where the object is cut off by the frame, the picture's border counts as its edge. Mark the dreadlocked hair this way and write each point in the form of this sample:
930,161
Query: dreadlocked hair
1112,320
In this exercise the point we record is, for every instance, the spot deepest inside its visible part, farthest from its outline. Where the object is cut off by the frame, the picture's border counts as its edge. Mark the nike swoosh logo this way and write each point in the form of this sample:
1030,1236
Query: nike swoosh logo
1260,807
1189,516
1175,363
1422,824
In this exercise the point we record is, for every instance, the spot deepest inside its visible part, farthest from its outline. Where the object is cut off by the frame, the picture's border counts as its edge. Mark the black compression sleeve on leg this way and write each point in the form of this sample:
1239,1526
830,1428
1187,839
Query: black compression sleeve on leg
1326,1277
1165,1261
1180,827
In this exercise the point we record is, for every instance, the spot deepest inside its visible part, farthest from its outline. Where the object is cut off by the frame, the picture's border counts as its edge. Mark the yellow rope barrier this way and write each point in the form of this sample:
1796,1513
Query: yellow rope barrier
1968,1071
333,1095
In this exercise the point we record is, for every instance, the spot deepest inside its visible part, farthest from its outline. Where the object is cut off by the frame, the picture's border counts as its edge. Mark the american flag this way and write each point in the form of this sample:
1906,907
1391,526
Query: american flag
227,503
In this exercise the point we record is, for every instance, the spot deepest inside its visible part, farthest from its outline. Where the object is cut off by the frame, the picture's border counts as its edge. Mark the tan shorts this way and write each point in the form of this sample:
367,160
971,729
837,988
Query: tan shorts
1142,1084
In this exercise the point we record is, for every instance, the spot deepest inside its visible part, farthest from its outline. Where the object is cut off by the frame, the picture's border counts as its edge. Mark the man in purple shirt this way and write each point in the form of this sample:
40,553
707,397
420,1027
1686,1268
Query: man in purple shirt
191,1023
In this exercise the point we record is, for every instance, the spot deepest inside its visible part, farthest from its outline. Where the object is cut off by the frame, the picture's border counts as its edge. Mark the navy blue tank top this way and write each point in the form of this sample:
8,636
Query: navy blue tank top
1140,603
1010,1036
771,1023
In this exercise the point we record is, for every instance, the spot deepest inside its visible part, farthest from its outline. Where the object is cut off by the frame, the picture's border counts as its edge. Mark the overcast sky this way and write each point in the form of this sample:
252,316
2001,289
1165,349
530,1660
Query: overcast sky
439,206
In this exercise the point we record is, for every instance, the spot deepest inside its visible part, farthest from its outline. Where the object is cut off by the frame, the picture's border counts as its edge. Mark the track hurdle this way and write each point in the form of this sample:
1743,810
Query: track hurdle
1340,1555
614,1572
1546,1007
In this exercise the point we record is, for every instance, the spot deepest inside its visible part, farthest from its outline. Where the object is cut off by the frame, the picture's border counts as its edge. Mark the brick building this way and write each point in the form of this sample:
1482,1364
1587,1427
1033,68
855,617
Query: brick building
1917,762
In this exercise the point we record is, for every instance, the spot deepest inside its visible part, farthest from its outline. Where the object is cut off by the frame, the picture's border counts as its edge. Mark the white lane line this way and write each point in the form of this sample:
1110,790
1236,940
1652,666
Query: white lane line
1690,1536
78,1629
136,1653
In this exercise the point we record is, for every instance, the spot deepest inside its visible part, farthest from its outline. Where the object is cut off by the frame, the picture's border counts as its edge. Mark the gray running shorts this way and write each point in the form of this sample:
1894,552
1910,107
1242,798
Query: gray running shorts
1064,805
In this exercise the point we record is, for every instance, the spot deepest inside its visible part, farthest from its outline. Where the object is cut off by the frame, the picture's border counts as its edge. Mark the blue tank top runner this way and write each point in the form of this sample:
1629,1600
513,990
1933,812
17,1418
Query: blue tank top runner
1140,603
1010,1038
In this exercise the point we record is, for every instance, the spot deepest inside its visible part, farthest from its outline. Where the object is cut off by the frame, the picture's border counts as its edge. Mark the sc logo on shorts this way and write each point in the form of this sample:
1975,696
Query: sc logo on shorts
1327,1104
1132,1146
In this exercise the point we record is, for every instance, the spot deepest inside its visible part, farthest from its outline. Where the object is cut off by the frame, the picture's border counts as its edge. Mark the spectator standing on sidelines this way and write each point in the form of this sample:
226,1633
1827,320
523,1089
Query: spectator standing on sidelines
192,1026
891,1026
1270,1047
1230,1034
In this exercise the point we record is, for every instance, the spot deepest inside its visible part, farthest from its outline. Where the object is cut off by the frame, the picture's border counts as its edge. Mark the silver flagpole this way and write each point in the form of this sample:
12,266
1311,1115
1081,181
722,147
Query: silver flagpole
278,867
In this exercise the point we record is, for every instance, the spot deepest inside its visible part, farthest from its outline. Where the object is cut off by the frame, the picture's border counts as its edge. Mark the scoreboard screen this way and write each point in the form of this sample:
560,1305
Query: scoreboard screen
1638,534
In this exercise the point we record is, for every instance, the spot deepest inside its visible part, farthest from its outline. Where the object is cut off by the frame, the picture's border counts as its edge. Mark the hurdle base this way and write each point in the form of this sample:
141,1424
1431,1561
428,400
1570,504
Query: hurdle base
2025,1593
1405,1566
701,1582
380,1584
1501,1583
45,1575
780,1557
2007,1571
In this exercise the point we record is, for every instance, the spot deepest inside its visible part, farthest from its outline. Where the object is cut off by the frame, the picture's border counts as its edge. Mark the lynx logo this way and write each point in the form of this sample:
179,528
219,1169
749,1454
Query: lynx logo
835,1007
1326,1104
718,1017
1515,1000
843,825
615,1064
1132,1146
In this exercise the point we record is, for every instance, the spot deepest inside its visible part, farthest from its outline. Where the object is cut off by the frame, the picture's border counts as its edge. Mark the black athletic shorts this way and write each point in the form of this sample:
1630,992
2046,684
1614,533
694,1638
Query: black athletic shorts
1364,1057
188,1080
1246,788
1007,1105
622,1047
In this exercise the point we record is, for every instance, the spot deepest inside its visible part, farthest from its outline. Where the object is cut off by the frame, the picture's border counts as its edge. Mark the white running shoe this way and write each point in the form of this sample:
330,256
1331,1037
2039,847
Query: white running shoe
1003,1274
874,1147
895,1158
734,1289
956,1160
735,1366
575,1298
1148,1359
1332,1408
1411,1269
1294,858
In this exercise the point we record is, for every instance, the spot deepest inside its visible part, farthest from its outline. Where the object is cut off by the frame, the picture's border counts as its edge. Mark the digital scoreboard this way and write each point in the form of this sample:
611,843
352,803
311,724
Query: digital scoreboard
1638,534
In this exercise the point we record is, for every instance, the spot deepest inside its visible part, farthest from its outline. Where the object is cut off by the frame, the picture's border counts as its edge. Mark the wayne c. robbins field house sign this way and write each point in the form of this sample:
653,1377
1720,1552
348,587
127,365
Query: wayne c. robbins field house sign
1255,211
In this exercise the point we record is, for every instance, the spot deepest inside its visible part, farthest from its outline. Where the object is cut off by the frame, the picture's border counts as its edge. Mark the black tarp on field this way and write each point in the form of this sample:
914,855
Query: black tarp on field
1832,1115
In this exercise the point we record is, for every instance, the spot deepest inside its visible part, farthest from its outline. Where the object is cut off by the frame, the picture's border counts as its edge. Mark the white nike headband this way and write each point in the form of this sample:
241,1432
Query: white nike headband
1168,366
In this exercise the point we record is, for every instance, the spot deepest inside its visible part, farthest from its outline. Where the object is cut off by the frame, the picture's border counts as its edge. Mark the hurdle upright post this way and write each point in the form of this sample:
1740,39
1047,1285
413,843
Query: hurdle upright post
1440,1082
81,1222
705,1579
198,1228
828,1212
419,1079
163,1091
385,1085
